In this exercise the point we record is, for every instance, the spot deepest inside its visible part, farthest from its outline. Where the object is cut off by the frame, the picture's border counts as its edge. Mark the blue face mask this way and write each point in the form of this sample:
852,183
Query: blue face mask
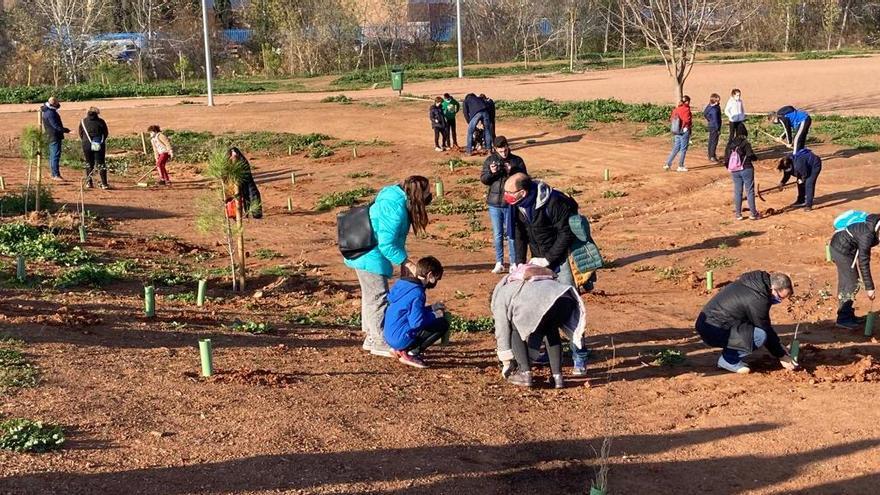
775,300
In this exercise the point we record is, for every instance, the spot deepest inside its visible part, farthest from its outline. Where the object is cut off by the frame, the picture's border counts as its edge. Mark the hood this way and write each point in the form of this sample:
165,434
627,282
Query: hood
758,281
46,106
402,289
873,221
543,194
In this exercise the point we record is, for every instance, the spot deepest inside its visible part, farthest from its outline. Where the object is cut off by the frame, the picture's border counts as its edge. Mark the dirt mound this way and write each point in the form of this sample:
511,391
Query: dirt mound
262,378
163,246
866,369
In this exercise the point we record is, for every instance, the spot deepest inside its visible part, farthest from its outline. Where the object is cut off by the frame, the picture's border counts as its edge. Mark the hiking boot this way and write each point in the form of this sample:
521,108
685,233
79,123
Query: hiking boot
411,360
848,324
507,368
382,349
557,381
520,378
499,268
740,367
681,169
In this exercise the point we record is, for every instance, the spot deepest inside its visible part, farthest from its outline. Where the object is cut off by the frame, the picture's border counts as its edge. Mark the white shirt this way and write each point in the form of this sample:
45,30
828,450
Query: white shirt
735,110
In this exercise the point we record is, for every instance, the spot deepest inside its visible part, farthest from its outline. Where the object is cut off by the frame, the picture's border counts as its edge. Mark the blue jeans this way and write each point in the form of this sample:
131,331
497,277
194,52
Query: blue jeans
733,356
55,158
744,179
680,144
487,127
578,356
500,215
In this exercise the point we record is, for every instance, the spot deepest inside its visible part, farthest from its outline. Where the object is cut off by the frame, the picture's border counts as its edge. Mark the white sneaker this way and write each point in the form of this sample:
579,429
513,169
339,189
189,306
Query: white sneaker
438,149
740,367
382,349
368,343
666,167
681,169
499,268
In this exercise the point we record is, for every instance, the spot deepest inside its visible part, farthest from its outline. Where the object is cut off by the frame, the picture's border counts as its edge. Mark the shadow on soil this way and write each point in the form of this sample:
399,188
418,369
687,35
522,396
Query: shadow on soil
712,243
550,466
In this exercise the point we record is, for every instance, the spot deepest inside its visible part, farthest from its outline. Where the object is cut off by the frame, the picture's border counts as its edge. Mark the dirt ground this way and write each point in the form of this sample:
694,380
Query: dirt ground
304,410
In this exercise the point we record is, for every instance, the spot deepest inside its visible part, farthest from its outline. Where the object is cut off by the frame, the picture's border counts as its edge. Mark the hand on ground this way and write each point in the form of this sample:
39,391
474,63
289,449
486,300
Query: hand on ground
788,363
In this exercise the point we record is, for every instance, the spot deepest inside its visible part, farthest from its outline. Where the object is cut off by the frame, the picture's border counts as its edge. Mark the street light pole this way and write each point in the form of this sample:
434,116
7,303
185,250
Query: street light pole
207,52
458,36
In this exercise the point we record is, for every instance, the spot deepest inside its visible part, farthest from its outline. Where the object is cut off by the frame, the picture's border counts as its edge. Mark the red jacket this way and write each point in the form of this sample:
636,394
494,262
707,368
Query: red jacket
683,112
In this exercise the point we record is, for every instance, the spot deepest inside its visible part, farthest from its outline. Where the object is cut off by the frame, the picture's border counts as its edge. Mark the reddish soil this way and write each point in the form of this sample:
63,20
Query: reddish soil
304,410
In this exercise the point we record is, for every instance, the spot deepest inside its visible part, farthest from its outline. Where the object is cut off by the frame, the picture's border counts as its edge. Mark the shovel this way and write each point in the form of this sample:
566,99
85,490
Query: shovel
144,184
776,139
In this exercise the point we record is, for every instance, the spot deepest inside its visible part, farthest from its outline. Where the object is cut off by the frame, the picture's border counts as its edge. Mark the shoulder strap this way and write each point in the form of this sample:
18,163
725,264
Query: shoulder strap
82,123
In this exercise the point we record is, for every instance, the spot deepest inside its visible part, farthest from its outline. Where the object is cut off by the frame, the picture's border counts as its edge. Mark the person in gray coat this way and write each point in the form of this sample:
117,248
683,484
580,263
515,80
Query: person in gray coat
530,302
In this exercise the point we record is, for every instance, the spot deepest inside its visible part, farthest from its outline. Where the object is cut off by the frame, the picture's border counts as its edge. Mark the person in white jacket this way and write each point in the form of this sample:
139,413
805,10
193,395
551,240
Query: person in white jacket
736,115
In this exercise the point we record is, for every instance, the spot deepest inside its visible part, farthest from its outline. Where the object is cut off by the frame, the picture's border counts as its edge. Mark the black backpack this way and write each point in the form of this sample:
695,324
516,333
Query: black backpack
354,231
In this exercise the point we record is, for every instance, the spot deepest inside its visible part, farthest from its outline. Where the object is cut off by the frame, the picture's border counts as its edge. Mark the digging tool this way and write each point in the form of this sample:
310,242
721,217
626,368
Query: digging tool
141,178
776,138
795,348
760,192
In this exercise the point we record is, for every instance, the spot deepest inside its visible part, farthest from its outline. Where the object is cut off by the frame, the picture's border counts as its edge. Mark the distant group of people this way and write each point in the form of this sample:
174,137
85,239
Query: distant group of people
479,115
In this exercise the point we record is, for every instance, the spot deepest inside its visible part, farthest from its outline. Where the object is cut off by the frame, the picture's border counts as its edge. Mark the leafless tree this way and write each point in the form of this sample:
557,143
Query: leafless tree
70,24
678,29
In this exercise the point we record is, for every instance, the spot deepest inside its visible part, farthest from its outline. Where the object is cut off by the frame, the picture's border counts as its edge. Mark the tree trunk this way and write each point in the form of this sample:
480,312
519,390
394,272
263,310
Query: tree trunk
623,33
239,240
39,182
843,25
787,27
571,47
229,250
607,28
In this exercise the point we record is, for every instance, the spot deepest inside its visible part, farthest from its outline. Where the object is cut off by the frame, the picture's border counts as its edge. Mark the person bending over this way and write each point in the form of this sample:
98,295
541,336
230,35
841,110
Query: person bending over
796,125
804,166
850,247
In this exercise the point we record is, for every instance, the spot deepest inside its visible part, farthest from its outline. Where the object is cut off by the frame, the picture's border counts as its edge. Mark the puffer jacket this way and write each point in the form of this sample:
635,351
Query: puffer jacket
506,167
435,114
407,313
55,129
855,243
737,310
390,220
547,233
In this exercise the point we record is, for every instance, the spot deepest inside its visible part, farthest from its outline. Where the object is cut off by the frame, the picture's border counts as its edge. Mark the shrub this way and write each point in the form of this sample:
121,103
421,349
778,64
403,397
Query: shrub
471,325
22,239
93,274
12,203
16,371
24,435
346,198
466,206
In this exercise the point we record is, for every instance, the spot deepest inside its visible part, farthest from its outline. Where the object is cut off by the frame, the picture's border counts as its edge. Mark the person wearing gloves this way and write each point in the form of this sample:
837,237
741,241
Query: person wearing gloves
162,151
737,319
851,246
411,326
805,166
450,109
736,115
498,166
796,125
93,135
55,132
541,224
682,122
397,208
530,305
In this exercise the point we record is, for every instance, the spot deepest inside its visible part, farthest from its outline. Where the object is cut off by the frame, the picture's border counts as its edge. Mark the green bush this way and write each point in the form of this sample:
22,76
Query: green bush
346,198
24,435
470,325
12,203
251,327
22,239
580,114
466,206
91,91
93,274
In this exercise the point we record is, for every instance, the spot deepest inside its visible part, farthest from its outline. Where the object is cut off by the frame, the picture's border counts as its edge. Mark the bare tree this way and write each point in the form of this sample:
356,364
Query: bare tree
70,24
145,16
678,29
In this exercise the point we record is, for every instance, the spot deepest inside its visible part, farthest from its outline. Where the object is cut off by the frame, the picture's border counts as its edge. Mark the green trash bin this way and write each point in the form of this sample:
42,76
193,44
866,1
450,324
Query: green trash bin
397,79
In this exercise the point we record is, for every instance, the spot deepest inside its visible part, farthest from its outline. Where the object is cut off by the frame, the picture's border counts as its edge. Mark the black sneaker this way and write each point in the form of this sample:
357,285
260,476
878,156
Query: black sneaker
520,378
798,205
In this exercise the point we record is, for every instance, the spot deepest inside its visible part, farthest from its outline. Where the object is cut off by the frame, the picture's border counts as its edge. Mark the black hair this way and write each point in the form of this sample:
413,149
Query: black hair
523,183
500,142
429,264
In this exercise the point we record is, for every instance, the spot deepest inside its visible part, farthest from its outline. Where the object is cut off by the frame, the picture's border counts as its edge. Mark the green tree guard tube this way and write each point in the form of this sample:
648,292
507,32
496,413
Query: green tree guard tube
149,301
19,268
82,233
710,280
795,349
438,189
200,296
207,361
869,324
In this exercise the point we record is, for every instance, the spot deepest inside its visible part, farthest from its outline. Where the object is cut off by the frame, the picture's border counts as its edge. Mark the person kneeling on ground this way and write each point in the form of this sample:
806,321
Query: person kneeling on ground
410,325
530,305
737,319
851,246
805,166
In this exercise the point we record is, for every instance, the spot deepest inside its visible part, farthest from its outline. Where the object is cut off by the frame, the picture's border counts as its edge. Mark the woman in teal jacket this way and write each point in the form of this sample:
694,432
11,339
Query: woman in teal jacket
396,209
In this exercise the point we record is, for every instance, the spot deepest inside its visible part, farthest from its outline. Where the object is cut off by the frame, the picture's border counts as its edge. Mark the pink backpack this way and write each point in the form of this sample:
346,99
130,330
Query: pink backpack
734,163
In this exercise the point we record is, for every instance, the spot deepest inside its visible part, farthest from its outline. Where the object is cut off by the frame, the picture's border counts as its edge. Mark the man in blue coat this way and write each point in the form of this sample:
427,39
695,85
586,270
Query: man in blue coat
55,132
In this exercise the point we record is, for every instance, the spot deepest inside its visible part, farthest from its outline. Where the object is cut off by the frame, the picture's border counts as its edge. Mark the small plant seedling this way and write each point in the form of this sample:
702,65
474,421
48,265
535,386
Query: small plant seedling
346,198
16,371
359,175
24,435
470,325
267,254
668,357
611,194
719,262
669,273
251,327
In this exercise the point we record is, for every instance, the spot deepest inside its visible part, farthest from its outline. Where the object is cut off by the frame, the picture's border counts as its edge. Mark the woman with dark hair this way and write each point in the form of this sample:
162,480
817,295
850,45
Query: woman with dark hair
93,134
397,208
162,151
805,166
251,201
739,158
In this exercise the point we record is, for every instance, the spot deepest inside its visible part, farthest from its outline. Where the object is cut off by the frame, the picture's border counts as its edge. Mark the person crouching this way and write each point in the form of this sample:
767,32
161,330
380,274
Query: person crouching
737,319
411,326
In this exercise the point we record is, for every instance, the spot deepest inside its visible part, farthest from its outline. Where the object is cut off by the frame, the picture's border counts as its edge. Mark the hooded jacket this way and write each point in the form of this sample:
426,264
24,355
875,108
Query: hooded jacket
406,313
735,110
855,243
52,123
495,195
435,114
544,229
450,108
735,312
96,128
473,105
247,187
683,112
389,218
742,147
805,163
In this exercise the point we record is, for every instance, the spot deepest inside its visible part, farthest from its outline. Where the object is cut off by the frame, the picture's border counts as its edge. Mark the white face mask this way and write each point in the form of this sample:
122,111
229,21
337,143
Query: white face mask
737,97
152,134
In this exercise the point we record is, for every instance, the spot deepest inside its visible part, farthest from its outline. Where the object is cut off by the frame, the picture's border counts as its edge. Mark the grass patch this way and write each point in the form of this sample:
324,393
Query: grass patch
359,175
18,238
463,207
669,273
24,435
319,150
267,254
333,200
277,271
471,325
251,327
16,371
456,163
580,114
644,268
170,277
93,274
610,194
337,99
719,262
467,180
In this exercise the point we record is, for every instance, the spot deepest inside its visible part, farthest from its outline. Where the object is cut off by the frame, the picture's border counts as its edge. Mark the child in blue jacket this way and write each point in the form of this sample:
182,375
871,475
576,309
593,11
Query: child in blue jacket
410,325
796,125
712,113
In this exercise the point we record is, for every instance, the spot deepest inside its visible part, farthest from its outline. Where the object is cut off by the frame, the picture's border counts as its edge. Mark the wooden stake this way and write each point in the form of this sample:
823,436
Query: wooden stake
143,143
2,183
828,253
607,174
354,151
39,183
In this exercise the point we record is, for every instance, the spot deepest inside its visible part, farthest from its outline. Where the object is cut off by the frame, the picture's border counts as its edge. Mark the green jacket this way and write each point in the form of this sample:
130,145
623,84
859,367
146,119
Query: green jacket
450,108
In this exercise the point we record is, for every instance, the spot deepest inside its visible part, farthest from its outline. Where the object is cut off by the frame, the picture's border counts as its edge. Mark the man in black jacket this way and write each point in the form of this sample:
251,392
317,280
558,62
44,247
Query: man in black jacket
93,134
540,223
498,166
850,247
737,319
475,110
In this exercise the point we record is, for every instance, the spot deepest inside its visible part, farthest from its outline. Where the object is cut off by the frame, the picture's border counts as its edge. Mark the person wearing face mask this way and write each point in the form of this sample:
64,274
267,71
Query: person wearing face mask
500,165
162,151
397,208
851,253
736,115
805,166
540,223
410,325
55,132
737,319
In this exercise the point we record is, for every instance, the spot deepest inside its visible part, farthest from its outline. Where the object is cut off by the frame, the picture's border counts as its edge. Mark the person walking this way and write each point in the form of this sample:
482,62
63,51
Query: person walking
450,109
736,115
397,209
737,319
498,166
681,122
438,124
55,132
93,135
476,111
739,157
712,114
795,126
851,246
805,166
162,151
249,195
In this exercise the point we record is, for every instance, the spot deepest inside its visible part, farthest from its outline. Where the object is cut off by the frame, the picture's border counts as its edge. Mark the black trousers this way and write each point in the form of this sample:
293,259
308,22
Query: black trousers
734,126
713,143
847,284
443,133
429,335
807,188
450,131
95,158
547,331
